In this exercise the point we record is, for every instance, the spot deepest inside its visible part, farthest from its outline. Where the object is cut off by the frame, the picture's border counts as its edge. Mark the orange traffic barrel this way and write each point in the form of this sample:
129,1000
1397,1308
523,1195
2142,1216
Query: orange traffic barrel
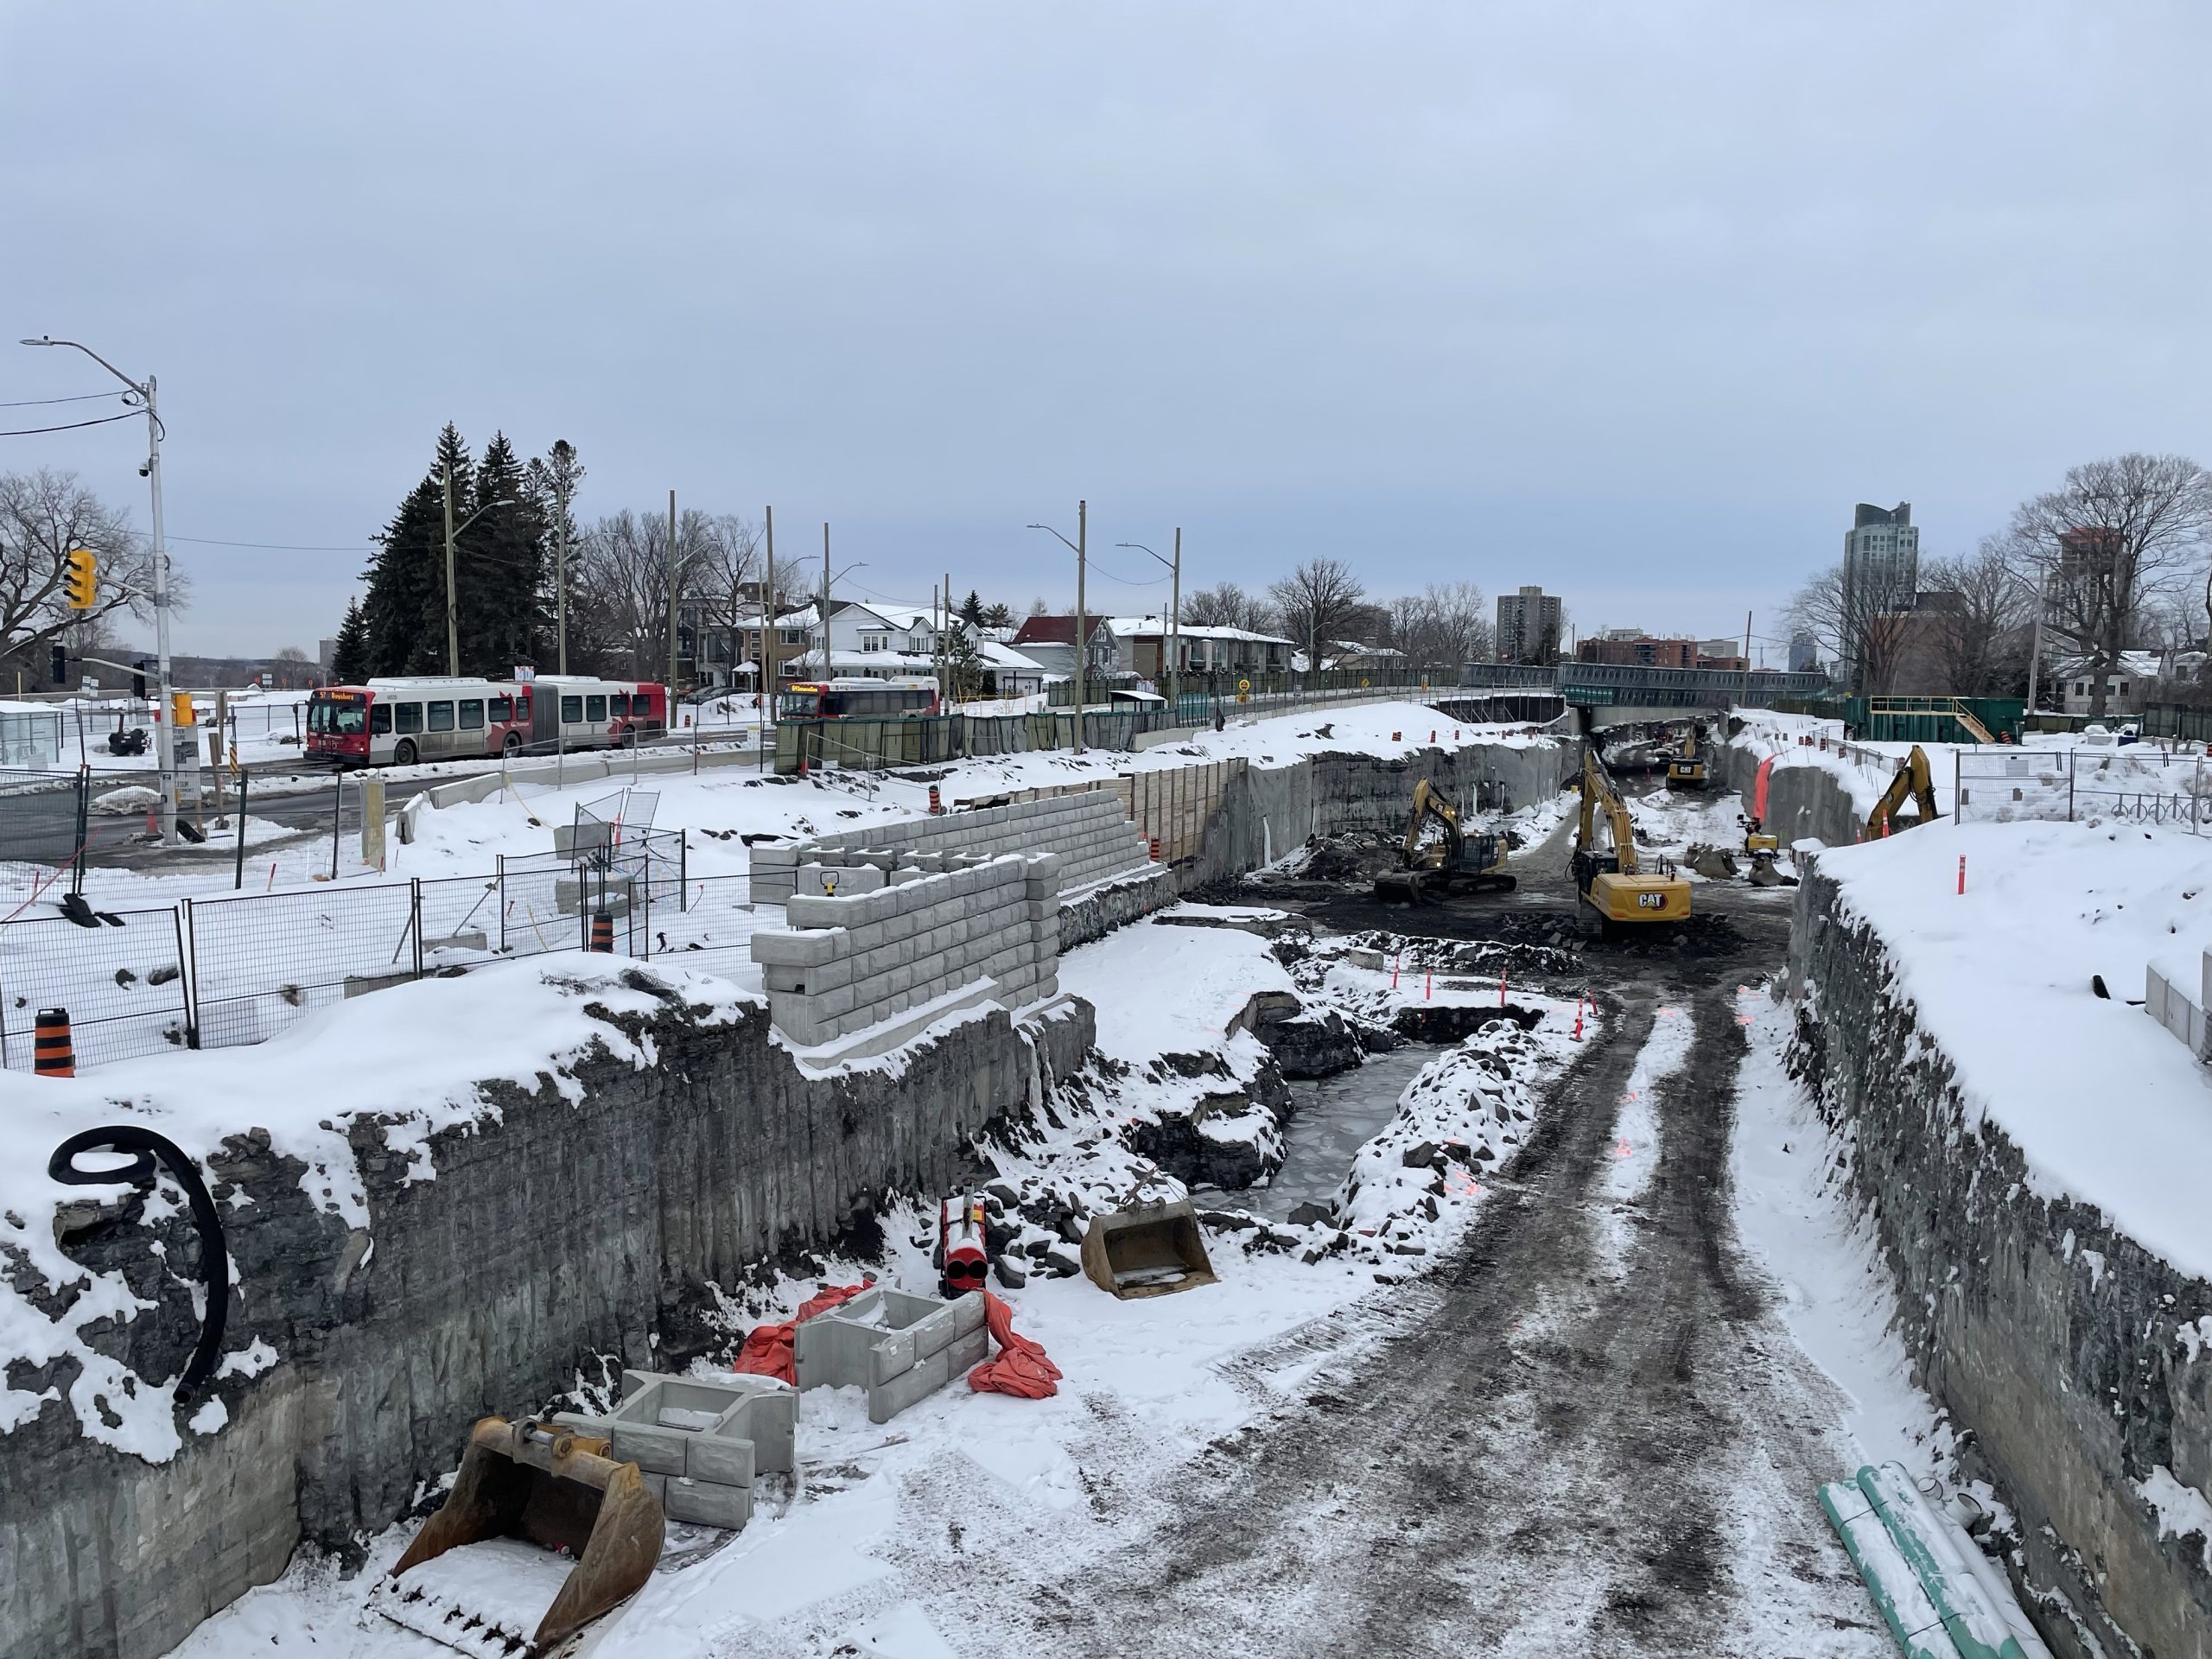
52,1054
936,806
602,932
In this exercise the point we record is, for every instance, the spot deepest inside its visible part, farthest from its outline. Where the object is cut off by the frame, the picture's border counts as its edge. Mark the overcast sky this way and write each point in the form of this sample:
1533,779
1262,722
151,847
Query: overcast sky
1633,301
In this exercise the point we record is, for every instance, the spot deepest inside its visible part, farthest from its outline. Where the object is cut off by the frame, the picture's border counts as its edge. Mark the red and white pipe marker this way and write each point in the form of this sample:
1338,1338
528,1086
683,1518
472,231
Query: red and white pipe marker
1428,986
1395,961
1501,990
1578,1018
1962,872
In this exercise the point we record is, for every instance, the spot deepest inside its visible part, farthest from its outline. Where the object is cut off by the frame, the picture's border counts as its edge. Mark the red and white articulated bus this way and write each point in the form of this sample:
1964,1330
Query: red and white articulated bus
400,721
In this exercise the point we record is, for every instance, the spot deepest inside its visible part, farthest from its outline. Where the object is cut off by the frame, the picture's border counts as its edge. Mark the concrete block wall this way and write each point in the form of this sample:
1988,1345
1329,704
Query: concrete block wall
901,932
1088,831
899,1347
699,1440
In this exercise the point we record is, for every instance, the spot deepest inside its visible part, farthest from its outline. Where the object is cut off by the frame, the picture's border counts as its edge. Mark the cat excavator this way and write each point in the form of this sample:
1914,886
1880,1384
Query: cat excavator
1612,879
1686,770
1457,862
1914,781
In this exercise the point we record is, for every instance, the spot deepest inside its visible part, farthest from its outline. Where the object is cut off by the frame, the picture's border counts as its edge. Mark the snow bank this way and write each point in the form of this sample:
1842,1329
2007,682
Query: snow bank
430,1044
2104,1104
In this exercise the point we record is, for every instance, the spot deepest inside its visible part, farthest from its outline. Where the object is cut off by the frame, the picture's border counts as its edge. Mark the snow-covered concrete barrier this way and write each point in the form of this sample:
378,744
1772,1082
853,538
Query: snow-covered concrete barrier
457,1197
2034,1155
873,939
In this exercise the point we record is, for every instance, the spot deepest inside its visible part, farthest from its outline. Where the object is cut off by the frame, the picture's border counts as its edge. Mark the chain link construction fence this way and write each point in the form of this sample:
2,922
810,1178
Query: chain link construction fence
219,972
2131,784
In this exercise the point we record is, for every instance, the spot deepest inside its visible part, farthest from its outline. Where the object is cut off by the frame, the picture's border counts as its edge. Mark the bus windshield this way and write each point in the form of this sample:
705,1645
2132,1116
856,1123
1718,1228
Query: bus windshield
338,716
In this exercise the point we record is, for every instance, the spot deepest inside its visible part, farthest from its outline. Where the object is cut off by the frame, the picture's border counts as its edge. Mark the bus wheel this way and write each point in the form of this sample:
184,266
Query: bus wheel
403,752
512,744
629,739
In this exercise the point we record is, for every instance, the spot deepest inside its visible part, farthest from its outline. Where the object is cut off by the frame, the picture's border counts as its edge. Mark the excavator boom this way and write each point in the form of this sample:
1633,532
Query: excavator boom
1612,880
1915,782
1460,863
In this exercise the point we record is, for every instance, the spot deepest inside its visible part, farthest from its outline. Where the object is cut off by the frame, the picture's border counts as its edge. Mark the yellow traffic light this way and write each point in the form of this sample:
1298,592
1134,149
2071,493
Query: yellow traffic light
180,708
82,582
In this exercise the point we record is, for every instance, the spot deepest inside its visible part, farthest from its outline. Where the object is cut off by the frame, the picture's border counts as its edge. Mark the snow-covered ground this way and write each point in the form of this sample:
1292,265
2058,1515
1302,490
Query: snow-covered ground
1148,1382
2104,1103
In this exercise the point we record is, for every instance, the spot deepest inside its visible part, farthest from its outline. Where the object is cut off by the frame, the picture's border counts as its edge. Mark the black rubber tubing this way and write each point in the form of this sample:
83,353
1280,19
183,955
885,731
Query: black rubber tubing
214,1260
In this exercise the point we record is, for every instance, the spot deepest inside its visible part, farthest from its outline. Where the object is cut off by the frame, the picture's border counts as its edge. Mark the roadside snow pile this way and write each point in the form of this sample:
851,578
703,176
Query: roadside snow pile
2104,1104
303,1092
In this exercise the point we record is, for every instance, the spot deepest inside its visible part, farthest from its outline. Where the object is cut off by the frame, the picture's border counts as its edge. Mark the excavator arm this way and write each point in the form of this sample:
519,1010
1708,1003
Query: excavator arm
1429,802
1915,782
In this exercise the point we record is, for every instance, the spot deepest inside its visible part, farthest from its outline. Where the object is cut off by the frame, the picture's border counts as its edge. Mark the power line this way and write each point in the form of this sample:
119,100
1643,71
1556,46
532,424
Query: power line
28,431
277,547
81,397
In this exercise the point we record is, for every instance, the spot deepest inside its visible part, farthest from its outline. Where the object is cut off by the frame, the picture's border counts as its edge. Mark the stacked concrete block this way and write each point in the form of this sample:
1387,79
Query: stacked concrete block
892,941
1088,831
700,1441
899,1347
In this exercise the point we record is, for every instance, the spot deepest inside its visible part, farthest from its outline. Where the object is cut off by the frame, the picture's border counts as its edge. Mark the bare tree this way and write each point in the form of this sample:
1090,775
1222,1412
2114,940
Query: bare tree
2106,546
1227,606
1317,602
45,515
1976,616
729,553
623,571
1445,623
1851,627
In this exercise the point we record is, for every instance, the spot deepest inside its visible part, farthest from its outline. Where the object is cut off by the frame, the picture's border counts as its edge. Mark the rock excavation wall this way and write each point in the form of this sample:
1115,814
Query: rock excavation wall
584,1228
2076,1363
1803,803
1268,812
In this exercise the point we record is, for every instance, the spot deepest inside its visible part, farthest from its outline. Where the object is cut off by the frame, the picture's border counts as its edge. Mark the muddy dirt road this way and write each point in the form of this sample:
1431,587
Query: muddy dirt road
1582,1434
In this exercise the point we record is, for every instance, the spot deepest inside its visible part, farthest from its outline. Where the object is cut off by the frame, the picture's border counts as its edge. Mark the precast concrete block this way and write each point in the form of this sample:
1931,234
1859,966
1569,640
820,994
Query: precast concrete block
648,1445
797,948
722,1453
794,1016
812,911
901,874
707,1503
930,863
841,999
773,856
878,858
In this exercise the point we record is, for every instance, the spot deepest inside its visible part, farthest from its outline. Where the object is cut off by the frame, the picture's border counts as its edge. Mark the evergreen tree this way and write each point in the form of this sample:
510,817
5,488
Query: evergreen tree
997,616
972,609
349,660
498,566
405,607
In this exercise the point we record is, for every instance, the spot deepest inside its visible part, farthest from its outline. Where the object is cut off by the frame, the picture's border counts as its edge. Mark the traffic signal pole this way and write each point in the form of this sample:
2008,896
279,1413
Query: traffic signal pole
164,709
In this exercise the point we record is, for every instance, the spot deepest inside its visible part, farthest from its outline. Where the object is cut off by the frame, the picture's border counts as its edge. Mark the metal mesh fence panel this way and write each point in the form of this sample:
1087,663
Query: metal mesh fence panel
125,986
261,963
712,932
1997,788
2139,786
38,817
460,919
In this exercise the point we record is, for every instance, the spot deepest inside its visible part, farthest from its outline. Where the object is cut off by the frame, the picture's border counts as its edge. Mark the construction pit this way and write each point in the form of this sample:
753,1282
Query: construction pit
1548,1335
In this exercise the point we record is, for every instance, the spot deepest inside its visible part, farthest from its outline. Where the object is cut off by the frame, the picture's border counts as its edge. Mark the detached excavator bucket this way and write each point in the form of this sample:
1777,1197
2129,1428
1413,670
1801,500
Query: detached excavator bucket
542,1533
1147,1251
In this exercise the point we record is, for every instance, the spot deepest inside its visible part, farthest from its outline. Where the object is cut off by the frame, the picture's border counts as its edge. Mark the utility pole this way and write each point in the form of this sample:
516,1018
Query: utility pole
672,610
1082,640
1175,633
562,487
764,677
453,611
1744,701
946,688
824,618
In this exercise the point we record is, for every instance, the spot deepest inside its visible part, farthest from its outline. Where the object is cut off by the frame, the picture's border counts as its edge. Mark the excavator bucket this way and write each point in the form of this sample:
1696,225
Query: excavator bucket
1148,1249
542,1533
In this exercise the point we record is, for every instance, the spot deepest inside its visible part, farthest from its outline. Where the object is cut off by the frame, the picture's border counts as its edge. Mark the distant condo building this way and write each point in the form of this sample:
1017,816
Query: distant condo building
1881,566
1529,624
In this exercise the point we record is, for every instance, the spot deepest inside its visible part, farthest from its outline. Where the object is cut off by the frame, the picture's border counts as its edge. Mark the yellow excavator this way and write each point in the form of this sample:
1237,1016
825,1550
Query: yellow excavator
1456,862
1613,879
1914,781
1686,770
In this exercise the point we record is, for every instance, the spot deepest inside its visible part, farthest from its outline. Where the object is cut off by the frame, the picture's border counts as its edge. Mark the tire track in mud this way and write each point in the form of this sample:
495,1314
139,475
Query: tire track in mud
1547,1455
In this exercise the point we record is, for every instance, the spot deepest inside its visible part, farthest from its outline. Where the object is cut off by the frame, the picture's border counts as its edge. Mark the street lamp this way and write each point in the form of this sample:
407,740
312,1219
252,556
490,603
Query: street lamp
164,711
1174,624
453,608
828,672
1082,646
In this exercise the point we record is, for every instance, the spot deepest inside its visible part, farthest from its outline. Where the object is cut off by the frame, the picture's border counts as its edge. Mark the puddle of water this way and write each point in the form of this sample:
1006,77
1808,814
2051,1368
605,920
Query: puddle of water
1333,1118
